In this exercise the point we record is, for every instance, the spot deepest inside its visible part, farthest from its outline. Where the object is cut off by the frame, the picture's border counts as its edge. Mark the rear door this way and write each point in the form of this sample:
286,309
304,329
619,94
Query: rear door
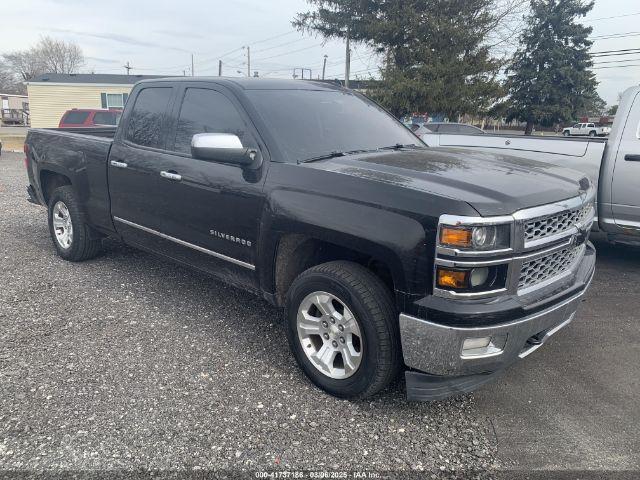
137,197
626,174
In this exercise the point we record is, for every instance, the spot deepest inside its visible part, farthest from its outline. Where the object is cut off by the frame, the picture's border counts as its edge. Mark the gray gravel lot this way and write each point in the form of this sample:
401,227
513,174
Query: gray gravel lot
129,362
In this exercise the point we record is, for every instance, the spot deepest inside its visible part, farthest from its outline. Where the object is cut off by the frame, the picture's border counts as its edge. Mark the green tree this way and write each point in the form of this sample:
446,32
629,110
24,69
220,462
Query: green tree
613,109
435,56
549,80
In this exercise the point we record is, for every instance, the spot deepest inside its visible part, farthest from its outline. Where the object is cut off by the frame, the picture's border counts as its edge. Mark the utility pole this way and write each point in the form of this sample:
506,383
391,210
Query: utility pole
248,61
324,66
192,74
127,67
347,63
219,68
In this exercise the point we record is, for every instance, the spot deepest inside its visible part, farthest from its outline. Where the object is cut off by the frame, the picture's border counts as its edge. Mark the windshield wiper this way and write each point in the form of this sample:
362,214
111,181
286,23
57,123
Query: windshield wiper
337,153
399,146
323,157
334,154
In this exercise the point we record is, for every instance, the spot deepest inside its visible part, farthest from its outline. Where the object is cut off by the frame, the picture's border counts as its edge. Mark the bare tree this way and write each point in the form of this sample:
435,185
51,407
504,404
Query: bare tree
59,56
47,56
9,82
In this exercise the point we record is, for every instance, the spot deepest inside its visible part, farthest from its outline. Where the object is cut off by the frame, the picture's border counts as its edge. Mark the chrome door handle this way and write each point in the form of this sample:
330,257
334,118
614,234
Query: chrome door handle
171,176
118,164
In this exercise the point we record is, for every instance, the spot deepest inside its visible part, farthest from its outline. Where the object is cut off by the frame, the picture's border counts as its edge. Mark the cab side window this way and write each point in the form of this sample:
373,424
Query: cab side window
145,126
208,111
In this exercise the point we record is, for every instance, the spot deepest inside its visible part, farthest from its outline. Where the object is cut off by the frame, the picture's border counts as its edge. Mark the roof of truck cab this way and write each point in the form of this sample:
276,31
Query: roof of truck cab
245,83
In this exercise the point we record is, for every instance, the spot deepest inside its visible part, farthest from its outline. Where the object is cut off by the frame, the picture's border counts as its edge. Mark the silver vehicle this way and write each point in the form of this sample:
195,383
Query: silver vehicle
447,127
613,163
586,129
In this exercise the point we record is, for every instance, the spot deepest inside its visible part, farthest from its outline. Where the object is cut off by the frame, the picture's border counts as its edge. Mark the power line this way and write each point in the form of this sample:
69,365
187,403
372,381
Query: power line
280,45
615,16
616,35
614,51
616,66
618,61
288,53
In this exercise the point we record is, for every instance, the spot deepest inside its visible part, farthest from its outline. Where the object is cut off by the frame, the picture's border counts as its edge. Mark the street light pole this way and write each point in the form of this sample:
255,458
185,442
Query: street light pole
248,61
347,63
324,66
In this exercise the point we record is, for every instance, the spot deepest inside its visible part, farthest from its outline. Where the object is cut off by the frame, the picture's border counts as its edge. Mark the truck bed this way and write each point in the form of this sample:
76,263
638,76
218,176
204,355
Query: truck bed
82,153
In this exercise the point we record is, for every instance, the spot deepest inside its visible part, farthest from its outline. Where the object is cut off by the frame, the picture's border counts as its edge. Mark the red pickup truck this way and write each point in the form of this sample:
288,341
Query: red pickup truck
88,117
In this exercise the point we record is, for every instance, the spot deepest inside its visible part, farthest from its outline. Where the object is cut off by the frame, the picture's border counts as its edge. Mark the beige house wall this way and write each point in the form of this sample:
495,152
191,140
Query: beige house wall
49,101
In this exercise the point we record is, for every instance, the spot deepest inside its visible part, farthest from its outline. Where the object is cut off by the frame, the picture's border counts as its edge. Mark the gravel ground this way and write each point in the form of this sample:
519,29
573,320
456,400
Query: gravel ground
130,362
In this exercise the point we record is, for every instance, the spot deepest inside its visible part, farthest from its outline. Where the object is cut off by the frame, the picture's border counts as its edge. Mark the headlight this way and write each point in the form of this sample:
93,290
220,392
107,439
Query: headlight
482,237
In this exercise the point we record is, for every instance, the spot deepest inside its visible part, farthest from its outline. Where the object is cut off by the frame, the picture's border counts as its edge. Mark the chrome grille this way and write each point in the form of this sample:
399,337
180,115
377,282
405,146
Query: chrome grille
542,227
543,268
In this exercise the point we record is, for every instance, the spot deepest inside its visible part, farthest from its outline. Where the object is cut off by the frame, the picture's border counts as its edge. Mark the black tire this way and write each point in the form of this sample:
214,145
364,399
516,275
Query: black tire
86,243
372,304
592,133
566,133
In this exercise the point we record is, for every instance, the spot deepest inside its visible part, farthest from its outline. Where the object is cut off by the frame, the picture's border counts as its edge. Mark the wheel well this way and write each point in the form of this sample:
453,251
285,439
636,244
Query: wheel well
297,253
49,181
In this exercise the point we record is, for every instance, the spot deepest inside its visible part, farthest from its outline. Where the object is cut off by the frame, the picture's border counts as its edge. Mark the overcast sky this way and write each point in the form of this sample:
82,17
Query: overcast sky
158,37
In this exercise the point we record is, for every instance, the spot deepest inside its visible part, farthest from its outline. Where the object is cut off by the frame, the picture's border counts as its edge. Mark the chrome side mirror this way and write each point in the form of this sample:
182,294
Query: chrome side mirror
224,147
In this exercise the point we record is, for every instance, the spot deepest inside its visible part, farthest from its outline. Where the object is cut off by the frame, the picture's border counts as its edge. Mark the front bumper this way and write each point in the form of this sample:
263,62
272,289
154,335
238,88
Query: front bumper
440,367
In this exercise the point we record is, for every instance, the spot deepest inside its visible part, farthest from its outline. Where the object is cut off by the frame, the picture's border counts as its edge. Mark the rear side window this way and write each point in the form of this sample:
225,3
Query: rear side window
445,128
105,118
207,111
76,118
469,130
147,117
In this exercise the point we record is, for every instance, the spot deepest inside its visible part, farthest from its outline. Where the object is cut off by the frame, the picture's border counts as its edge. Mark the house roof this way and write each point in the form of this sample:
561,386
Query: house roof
100,78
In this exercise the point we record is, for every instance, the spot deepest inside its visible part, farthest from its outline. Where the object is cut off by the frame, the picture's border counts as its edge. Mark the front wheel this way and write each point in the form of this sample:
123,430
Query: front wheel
592,133
343,329
72,238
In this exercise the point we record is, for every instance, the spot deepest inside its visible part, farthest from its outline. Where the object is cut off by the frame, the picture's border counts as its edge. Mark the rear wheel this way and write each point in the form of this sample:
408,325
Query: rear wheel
343,330
566,133
72,238
592,133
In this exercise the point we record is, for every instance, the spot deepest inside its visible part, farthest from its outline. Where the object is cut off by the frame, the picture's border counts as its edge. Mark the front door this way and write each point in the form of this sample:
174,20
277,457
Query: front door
212,205
626,175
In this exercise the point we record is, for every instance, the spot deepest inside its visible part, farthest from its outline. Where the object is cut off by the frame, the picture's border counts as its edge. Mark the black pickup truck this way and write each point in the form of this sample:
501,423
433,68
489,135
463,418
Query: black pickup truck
386,255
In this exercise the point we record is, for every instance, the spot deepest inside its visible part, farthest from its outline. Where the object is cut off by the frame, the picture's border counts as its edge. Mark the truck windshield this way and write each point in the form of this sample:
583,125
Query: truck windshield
311,124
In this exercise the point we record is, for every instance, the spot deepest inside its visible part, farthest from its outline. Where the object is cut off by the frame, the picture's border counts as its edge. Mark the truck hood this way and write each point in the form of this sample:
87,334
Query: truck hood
492,184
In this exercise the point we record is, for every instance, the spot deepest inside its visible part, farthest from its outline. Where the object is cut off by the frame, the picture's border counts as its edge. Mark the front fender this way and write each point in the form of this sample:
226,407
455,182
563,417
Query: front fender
398,241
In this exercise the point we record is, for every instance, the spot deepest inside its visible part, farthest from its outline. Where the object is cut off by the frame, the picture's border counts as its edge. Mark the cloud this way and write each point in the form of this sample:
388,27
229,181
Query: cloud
114,37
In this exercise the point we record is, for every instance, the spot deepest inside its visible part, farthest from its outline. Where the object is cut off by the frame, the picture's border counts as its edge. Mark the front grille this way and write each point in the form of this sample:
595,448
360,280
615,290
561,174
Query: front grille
549,266
542,227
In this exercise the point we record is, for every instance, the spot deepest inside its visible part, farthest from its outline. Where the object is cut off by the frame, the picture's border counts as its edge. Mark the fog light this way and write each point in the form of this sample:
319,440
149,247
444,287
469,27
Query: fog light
479,276
483,346
473,343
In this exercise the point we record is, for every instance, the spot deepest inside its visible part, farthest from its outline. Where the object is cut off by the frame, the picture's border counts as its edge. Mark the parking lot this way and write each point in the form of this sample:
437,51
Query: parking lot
129,362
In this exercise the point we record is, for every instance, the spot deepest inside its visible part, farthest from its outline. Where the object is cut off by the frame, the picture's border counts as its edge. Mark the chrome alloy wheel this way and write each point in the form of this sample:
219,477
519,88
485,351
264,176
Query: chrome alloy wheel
62,225
330,335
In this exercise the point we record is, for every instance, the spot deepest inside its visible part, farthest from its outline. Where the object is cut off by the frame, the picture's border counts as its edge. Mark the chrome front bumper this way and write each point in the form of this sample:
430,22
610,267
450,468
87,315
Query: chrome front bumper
437,349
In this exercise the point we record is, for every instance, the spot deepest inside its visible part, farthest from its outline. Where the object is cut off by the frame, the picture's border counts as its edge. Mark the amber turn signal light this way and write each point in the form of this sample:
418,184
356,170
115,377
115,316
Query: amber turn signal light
459,237
452,278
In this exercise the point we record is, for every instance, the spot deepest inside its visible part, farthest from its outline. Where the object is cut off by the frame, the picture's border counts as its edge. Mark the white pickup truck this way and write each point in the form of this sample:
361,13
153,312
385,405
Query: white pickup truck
586,130
613,163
